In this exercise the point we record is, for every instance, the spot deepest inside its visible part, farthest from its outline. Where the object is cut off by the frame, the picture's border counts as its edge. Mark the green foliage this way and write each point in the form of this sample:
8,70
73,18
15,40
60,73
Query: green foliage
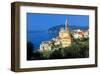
78,49
56,54
46,54
30,48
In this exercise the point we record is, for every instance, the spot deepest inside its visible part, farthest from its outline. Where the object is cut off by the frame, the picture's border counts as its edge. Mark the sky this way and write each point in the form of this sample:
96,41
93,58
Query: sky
42,21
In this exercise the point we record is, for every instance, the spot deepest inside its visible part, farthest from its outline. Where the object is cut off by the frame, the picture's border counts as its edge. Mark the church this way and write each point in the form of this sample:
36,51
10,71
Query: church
64,36
64,39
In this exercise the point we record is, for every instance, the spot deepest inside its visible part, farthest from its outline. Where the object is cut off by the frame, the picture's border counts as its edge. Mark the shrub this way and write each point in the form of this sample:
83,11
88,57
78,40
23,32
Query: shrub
78,49
56,54
30,48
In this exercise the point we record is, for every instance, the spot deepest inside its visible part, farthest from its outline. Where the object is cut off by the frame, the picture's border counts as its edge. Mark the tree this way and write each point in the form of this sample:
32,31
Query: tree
29,51
56,54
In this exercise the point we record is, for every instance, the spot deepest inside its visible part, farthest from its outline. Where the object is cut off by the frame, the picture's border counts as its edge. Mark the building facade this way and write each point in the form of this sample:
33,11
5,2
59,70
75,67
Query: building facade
80,34
64,36
63,40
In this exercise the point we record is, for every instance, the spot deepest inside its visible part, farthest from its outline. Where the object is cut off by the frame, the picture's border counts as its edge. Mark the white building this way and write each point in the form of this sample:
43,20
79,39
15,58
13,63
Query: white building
63,40
80,34
86,34
45,45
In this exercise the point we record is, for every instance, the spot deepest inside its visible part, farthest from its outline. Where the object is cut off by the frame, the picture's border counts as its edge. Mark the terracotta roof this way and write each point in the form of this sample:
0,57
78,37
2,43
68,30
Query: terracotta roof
81,33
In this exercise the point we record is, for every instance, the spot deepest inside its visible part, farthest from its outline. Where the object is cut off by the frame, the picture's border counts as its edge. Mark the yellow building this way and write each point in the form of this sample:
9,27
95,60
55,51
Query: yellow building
64,36
64,39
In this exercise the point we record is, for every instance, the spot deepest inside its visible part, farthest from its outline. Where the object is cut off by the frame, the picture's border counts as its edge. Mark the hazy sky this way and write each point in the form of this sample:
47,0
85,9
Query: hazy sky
41,22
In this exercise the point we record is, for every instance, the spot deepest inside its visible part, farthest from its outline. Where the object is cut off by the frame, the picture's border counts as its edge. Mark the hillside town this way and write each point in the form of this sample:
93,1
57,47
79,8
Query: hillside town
64,39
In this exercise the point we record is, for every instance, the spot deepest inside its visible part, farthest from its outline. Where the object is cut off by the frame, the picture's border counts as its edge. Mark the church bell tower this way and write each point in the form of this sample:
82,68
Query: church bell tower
65,37
66,25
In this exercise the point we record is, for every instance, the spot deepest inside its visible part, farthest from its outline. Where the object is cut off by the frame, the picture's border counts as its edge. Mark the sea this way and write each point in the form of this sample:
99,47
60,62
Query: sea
37,37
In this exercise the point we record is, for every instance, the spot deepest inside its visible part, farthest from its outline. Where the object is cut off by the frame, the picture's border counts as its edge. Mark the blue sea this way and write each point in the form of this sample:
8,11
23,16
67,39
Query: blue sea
38,36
